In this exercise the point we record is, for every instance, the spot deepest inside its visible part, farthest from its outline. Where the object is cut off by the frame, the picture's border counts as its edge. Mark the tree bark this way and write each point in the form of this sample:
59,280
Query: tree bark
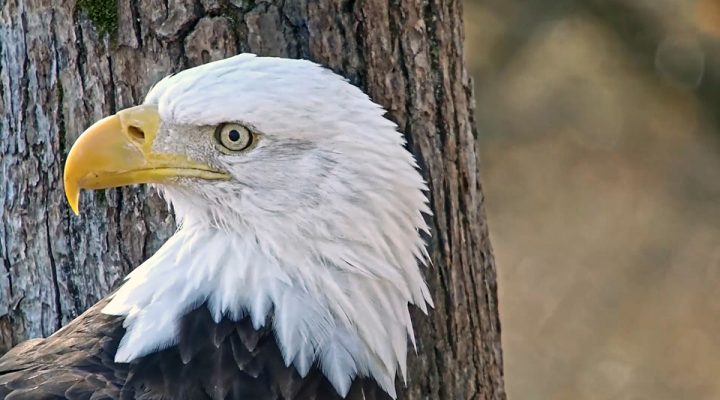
64,65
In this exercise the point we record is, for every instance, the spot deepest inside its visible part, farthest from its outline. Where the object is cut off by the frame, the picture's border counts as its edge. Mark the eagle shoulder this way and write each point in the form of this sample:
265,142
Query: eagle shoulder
76,362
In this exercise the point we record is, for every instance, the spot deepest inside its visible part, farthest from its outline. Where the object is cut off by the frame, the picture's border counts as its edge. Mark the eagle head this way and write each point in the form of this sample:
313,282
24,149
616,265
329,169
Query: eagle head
298,207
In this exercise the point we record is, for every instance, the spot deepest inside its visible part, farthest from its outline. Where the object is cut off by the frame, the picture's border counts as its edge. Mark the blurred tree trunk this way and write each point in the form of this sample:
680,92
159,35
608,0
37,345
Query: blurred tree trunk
64,65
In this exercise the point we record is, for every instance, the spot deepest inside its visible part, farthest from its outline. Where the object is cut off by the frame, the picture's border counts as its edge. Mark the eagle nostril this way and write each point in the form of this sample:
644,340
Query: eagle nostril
136,134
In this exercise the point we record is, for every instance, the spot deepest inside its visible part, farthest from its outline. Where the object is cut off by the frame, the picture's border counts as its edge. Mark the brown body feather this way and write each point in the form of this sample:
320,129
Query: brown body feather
229,360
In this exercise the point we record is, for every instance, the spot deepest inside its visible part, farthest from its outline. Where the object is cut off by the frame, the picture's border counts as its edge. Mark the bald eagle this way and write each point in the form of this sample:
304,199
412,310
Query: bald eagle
298,252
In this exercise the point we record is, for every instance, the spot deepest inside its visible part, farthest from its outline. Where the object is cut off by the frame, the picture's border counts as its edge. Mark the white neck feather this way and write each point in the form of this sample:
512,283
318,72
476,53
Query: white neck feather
348,320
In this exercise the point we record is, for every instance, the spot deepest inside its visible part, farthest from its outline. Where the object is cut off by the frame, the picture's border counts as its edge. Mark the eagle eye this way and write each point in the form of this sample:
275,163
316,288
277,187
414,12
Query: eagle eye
233,137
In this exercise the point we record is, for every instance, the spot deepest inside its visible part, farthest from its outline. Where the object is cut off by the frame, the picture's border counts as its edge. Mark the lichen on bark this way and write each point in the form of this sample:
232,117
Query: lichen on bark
102,13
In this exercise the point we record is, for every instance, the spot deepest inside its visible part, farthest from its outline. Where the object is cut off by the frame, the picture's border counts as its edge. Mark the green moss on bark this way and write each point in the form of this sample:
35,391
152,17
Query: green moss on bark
102,13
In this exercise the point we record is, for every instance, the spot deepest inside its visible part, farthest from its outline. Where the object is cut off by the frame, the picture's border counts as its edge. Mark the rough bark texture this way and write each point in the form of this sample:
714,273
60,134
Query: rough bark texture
64,65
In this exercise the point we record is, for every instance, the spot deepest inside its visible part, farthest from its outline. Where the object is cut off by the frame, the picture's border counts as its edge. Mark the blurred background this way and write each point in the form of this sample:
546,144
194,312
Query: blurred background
600,144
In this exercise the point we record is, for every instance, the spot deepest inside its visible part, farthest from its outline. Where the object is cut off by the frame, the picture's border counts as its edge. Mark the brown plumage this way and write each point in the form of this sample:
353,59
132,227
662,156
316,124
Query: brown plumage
229,360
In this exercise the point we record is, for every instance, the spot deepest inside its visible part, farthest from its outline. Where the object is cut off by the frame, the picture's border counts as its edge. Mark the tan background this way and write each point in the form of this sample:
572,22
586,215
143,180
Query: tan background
601,164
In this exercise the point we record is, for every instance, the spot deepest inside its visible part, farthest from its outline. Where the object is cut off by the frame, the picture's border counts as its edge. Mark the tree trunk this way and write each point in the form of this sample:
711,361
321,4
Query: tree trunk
64,65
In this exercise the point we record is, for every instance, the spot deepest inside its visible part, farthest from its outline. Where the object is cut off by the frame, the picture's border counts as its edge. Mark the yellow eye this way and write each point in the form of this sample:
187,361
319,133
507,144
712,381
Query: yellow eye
234,137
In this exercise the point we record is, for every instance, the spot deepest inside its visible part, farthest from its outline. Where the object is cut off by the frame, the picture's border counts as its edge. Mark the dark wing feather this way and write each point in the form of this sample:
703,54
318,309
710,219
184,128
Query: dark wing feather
74,364
230,360
214,361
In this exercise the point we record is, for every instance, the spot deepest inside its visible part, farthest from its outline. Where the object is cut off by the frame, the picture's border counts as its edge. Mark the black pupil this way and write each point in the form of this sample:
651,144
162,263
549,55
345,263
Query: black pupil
234,135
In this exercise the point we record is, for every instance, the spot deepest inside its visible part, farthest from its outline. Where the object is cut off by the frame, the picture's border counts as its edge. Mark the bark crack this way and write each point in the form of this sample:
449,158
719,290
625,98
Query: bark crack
53,270
8,270
24,84
112,89
182,35
137,27
296,34
60,93
81,60
119,235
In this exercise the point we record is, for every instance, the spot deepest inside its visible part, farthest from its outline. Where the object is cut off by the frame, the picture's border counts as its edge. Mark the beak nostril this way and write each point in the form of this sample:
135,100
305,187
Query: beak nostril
136,134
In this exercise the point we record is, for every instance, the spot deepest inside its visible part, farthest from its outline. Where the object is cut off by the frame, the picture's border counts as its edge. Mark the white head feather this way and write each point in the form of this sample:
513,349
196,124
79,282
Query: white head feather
319,225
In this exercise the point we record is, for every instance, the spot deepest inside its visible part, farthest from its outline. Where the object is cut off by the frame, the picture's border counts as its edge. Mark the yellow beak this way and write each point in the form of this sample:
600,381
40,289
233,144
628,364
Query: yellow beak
117,151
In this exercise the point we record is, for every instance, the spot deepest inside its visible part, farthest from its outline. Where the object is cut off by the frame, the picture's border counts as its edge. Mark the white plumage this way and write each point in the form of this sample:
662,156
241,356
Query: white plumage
319,226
